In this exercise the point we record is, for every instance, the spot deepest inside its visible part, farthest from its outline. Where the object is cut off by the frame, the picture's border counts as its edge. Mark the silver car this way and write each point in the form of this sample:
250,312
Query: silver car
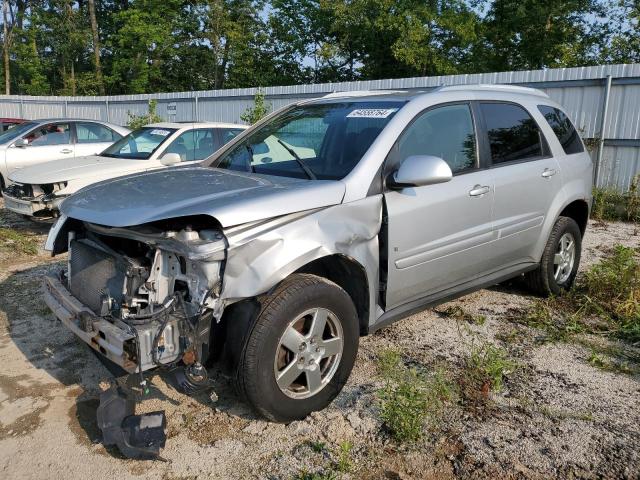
38,141
326,221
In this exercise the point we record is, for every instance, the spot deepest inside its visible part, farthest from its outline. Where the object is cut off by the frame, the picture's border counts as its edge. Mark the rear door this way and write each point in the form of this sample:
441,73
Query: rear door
46,142
92,138
440,235
526,178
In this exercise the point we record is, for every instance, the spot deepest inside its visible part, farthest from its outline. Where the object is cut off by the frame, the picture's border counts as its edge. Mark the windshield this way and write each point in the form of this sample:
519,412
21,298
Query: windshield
140,144
16,131
322,141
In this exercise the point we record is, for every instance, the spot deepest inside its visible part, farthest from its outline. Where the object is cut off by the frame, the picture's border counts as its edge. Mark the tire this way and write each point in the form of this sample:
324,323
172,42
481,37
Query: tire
545,279
292,308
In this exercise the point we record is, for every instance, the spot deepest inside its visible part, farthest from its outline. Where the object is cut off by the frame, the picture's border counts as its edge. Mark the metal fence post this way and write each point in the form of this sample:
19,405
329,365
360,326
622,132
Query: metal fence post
65,109
21,108
106,104
603,126
195,106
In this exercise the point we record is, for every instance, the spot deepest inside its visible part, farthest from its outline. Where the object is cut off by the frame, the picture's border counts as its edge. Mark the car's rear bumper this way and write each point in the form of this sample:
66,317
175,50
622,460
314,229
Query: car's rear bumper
32,206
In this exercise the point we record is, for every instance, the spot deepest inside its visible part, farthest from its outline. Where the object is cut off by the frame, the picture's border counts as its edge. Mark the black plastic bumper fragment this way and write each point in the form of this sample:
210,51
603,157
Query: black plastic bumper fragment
136,436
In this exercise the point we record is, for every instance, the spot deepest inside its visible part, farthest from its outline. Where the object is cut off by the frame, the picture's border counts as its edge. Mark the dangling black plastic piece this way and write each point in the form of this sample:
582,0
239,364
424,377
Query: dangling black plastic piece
136,436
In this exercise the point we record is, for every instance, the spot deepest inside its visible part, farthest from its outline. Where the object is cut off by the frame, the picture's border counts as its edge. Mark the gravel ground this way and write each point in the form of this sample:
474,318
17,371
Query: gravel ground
556,417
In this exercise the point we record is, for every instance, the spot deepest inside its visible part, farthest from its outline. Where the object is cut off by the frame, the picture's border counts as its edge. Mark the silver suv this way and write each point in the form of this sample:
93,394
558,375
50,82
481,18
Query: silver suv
328,220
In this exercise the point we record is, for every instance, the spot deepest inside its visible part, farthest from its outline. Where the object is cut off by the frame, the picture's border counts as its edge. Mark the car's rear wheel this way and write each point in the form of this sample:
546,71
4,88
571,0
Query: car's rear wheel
300,350
560,260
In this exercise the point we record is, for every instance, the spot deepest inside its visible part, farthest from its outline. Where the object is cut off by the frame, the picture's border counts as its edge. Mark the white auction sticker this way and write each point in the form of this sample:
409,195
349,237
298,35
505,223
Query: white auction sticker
162,133
372,113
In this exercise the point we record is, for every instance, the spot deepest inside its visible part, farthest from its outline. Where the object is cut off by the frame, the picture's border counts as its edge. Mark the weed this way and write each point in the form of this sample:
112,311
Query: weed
485,369
458,313
410,398
304,475
610,204
317,447
14,241
606,301
344,463
610,363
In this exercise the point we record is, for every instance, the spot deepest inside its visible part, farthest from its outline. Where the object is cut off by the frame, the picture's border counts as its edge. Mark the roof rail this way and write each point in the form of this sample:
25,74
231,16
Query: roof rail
361,93
488,87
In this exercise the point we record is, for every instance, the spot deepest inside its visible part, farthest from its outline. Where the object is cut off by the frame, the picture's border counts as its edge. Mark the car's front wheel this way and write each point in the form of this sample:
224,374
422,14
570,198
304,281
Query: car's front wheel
300,350
560,260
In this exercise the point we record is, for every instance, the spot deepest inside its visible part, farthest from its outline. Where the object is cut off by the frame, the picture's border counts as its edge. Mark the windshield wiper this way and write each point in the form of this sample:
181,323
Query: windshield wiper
252,169
304,167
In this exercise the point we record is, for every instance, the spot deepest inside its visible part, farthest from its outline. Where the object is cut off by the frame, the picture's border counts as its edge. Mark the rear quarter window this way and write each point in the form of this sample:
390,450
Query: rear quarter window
563,128
513,134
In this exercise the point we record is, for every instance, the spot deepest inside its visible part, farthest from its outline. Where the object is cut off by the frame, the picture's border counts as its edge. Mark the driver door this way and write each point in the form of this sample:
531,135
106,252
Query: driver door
47,142
439,236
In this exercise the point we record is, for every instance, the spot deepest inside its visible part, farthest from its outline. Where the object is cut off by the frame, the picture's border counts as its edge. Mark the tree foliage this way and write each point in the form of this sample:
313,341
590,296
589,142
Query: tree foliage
259,110
90,47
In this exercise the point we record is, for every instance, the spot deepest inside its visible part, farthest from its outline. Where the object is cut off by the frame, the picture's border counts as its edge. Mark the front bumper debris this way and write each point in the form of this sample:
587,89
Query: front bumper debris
136,436
101,335
113,339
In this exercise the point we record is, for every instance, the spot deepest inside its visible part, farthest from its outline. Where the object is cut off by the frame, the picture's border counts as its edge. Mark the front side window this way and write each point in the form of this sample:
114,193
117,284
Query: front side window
446,132
89,132
563,128
15,132
140,144
513,133
321,141
193,145
50,134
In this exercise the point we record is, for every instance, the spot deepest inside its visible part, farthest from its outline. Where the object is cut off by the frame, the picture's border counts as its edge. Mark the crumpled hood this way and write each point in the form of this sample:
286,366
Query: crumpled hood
233,198
68,169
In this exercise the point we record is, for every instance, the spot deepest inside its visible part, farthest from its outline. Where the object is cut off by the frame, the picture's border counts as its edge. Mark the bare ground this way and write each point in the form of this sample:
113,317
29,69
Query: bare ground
558,416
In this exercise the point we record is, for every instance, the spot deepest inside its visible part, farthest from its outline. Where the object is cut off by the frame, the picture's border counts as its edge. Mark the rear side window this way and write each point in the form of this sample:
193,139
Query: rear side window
95,133
513,133
563,128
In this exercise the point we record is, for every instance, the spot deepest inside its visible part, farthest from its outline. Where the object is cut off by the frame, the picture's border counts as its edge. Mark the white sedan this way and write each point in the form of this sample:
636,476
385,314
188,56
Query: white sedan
38,191
37,141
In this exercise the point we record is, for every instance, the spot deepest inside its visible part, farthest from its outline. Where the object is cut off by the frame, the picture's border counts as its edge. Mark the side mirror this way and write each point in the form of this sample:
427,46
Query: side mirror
418,171
22,142
169,159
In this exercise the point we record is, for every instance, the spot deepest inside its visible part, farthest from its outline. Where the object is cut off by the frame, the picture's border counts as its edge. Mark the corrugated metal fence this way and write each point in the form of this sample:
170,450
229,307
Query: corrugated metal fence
603,101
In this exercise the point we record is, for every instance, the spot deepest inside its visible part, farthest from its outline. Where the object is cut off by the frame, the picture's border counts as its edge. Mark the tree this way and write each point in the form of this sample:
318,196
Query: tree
136,121
7,37
259,110
96,44
533,34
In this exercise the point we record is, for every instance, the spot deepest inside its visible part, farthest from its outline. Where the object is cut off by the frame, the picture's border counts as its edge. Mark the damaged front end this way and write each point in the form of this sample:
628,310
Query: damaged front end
34,200
143,297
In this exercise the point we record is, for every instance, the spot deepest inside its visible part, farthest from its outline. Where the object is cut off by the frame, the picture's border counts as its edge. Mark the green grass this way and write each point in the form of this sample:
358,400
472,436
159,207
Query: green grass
458,313
410,399
610,204
13,241
606,301
484,371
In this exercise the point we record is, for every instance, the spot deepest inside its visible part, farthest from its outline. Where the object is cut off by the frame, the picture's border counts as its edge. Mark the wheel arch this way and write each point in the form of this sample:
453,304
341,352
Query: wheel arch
348,274
578,210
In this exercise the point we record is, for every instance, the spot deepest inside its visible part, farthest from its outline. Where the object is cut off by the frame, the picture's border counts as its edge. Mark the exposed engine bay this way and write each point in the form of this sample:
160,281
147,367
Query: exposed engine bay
160,286
144,298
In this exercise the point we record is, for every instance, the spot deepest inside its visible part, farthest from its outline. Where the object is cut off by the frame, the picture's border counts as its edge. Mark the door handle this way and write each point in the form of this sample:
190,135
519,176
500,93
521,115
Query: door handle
549,172
66,150
479,190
